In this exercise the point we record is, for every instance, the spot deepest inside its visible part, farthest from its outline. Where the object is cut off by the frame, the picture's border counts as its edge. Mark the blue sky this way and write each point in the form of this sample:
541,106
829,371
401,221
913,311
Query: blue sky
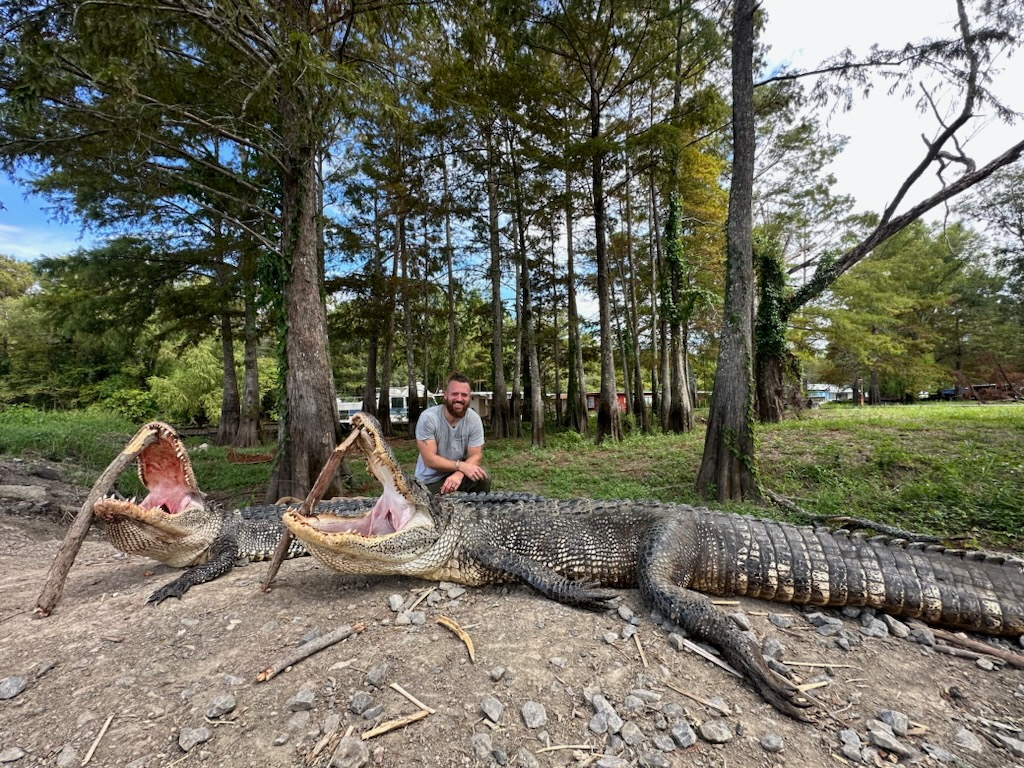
885,132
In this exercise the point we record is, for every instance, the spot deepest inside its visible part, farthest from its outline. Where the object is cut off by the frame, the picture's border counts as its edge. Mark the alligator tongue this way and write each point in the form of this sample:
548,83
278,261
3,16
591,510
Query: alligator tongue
390,514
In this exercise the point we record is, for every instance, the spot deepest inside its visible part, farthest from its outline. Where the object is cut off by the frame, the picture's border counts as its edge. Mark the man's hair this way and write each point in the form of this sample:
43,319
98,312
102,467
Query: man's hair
457,376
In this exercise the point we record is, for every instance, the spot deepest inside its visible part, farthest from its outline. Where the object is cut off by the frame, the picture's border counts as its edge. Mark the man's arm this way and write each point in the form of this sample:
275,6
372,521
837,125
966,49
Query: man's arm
434,460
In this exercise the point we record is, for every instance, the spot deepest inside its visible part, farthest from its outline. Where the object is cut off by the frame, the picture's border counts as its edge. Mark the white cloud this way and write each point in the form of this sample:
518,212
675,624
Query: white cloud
30,243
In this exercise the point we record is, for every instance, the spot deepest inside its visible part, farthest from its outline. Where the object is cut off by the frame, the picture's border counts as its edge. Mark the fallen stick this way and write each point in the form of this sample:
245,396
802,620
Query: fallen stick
393,725
68,549
309,504
1011,658
640,649
453,625
96,741
722,710
308,649
410,697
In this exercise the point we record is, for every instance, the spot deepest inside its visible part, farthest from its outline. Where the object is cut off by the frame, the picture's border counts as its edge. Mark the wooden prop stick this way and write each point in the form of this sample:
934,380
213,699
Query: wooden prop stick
309,504
76,534
308,649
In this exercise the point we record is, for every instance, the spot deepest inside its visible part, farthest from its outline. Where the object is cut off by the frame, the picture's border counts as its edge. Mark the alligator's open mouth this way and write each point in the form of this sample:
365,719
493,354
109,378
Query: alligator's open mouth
172,510
404,511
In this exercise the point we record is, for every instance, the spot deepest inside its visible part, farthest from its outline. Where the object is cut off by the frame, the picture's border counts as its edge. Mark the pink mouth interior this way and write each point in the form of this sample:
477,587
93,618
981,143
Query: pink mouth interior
390,514
171,497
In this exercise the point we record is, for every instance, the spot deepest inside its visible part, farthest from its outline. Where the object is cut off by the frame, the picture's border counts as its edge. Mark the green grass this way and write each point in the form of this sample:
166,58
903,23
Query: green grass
950,469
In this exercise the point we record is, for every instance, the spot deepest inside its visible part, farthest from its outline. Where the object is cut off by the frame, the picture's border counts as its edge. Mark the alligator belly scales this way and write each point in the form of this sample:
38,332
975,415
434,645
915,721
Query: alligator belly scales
573,550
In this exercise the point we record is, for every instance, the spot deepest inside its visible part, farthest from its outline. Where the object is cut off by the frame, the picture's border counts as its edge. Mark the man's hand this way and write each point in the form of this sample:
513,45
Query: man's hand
454,480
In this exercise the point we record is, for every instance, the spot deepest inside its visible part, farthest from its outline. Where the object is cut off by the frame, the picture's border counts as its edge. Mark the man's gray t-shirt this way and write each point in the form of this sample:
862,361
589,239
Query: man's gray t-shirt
452,442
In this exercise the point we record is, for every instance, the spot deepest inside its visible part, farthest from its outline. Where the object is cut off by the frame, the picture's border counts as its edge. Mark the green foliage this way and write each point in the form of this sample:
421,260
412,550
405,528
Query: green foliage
191,392
89,438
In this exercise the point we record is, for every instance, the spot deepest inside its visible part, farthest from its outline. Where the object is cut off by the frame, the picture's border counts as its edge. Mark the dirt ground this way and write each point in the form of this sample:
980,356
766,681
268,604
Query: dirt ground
111,679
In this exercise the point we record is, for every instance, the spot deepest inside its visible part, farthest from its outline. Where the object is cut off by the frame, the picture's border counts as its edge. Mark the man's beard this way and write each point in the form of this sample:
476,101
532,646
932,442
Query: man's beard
450,407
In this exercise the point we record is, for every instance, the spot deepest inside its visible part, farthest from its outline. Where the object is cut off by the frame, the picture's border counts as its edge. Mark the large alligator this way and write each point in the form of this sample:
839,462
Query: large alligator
572,550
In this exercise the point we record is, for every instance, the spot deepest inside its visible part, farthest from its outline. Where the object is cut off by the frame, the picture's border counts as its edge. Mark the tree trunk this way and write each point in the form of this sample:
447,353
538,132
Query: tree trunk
609,421
727,466
771,354
500,417
577,392
380,301
230,408
248,435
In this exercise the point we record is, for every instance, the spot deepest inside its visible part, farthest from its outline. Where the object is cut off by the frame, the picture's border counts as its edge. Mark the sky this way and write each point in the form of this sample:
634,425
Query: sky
885,132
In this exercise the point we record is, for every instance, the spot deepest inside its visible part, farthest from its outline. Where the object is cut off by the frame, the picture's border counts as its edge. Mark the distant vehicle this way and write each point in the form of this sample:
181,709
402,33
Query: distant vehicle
398,396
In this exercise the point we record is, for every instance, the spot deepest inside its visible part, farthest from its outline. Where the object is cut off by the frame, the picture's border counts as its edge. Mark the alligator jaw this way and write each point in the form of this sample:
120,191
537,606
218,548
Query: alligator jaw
391,537
172,523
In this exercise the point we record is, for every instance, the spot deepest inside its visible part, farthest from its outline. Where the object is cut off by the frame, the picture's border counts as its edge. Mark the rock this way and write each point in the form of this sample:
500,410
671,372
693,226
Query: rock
395,603
715,731
23,492
12,754
850,746
631,733
601,705
526,758
361,701
676,641
496,674
456,592
633,703
683,735
221,705
376,675
373,712
923,635
298,722
898,721
985,663
896,627
1012,745
664,742
352,752
492,708
780,621
67,756
937,753
964,737
773,649
189,738
648,697
625,612
482,746
534,714
12,686
875,628
611,638
303,700
772,742
741,620
558,661
819,619
890,743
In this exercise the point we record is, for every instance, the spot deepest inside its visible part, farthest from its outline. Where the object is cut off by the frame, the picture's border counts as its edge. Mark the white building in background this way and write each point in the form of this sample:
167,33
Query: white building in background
398,398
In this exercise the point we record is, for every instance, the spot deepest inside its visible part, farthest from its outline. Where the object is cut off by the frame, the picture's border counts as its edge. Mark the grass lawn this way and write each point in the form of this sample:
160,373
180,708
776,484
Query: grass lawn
946,468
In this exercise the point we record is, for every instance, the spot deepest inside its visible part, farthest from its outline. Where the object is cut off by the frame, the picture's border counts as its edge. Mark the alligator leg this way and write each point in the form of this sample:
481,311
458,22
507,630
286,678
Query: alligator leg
667,560
223,553
509,566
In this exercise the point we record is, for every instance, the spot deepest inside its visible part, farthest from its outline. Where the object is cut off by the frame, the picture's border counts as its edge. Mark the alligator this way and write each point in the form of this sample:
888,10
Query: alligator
577,551
176,525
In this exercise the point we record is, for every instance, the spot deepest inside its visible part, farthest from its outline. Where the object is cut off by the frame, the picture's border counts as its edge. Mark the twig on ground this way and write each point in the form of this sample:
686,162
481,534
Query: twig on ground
313,498
692,646
68,550
720,709
560,747
308,649
1010,657
96,741
640,648
451,624
410,697
392,725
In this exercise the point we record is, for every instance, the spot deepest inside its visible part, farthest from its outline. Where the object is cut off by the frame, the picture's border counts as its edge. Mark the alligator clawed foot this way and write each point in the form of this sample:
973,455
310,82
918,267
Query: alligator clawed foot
173,589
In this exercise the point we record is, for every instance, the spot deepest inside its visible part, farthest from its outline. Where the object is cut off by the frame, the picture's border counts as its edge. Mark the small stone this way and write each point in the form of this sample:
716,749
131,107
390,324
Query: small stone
819,619
781,621
302,701
772,742
376,675
625,612
352,752
830,630
559,661
611,761
395,603
12,686
923,635
741,620
850,611
482,746
898,721
628,630
611,638
492,708
683,735
221,705
890,743
631,733
1012,745
361,701
281,739
299,721
964,737
937,753
648,697
534,714
601,705
875,628
773,649
496,674
526,758
985,663
404,619
417,618
234,680
633,703
715,731
189,738
456,592
373,712
598,723
67,757
896,627
664,742
676,641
